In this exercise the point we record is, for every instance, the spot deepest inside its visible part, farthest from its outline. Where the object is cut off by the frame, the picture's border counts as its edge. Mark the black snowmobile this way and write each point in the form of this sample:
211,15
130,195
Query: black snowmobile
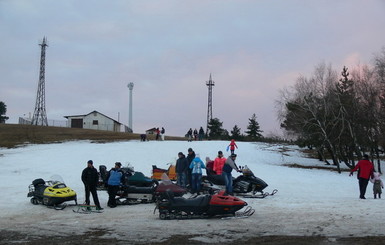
245,185
202,206
136,188
52,193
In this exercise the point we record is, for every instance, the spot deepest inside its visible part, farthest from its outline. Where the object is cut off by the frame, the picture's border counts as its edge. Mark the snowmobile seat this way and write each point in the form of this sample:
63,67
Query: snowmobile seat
199,201
138,189
38,182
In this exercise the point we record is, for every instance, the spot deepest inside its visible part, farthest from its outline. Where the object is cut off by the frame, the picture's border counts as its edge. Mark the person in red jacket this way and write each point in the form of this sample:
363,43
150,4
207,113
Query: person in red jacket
365,172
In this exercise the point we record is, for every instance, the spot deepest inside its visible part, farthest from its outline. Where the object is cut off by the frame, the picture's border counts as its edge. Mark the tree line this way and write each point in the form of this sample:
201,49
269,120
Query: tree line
217,132
340,114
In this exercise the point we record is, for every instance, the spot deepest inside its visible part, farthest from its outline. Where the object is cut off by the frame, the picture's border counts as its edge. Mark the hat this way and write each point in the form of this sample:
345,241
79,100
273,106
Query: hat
180,153
118,164
366,156
90,161
189,150
233,155
220,153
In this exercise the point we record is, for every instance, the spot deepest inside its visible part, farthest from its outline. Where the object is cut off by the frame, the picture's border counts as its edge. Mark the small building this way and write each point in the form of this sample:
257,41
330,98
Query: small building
94,120
151,131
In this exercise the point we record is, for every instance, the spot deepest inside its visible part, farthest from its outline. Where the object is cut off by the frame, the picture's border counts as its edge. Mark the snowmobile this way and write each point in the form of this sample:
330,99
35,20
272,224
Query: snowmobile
202,206
135,194
246,185
158,172
136,188
52,193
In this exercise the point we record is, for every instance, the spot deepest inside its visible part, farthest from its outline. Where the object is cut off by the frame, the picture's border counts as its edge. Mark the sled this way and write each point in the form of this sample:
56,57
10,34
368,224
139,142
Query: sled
86,209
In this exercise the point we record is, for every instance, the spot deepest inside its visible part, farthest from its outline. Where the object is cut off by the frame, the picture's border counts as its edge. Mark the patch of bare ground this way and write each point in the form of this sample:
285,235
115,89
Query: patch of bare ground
327,167
14,135
96,237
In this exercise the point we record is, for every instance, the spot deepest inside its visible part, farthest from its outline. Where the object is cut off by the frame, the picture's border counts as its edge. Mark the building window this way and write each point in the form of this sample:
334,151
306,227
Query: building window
95,122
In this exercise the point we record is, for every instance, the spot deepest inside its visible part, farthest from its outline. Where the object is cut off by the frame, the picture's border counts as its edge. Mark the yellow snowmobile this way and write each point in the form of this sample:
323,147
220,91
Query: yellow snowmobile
52,193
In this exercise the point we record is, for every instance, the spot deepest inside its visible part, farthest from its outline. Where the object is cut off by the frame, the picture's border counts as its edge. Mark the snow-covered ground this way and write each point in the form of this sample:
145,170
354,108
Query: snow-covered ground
309,201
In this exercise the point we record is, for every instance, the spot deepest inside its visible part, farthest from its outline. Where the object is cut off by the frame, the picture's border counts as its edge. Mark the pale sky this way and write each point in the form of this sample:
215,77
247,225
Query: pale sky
168,48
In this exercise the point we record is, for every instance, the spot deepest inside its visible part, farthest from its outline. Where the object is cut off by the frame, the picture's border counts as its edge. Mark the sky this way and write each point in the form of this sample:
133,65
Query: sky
252,48
309,202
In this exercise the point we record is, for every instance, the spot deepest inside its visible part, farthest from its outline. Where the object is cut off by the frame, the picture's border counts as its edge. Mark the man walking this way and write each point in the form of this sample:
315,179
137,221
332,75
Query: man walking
365,171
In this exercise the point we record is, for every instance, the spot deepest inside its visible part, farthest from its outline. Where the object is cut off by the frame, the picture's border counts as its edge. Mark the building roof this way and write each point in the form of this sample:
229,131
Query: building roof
91,113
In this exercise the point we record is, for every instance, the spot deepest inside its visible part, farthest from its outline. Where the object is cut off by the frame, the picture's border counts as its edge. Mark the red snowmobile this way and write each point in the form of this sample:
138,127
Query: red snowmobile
202,206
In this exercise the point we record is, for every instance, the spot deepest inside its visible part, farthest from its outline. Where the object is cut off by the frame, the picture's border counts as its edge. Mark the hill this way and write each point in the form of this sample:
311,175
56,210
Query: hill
13,135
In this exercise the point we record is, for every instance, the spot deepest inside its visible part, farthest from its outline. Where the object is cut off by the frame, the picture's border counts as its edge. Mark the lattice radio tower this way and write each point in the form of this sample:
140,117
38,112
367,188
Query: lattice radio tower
40,116
210,84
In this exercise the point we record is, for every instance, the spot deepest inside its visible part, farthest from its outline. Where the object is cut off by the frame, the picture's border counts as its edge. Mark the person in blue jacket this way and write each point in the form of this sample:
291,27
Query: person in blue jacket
114,179
196,166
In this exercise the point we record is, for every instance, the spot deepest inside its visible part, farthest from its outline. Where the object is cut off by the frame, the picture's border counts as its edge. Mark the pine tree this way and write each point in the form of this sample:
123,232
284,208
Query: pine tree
236,133
3,110
253,131
215,129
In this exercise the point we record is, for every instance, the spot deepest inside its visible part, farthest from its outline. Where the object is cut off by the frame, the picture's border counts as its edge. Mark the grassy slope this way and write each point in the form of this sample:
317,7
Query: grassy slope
12,135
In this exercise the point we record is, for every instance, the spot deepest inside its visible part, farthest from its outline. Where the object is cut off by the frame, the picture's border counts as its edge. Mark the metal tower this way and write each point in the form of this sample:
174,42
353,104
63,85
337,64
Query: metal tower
210,84
130,87
40,116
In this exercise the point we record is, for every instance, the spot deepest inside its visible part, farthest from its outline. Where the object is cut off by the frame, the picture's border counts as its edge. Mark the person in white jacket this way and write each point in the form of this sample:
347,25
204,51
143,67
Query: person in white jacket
378,185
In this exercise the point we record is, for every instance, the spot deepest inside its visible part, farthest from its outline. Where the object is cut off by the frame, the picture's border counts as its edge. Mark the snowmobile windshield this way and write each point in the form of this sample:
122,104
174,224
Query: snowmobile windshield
165,179
247,171
56,180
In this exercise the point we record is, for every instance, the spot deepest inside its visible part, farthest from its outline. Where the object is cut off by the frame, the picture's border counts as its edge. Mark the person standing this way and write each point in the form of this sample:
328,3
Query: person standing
189,135
181,168
226,173
201,133
195,134
157,131
232,146
115,177
162,132
196,174
190,157
219,161
365,172
90,179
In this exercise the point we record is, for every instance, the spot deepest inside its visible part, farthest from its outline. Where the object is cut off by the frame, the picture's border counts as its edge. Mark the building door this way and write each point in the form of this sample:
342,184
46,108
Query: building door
76,123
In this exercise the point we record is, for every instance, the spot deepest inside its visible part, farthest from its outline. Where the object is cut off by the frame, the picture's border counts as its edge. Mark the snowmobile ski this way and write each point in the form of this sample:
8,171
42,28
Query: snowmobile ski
262,195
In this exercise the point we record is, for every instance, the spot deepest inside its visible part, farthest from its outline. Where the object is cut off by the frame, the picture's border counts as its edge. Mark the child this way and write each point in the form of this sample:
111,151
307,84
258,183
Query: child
377,184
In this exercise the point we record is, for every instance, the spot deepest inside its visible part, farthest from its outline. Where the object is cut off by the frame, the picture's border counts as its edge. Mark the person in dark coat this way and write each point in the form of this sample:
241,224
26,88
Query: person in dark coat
190,157
365,172
181,169
115,178
90,180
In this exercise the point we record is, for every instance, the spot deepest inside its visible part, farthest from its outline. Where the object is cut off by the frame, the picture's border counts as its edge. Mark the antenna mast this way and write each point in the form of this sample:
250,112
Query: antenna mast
40,116
130,87
210,84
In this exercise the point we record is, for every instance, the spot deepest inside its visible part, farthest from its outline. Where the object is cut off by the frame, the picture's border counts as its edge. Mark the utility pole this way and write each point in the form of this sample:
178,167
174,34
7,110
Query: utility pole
40,116
130,87
210,83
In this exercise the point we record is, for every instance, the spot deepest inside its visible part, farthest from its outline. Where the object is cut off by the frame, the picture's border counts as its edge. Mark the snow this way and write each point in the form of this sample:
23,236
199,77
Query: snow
310,202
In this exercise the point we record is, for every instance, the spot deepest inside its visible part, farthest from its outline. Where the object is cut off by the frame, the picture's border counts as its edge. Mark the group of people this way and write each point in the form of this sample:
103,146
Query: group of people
366,172
195,135
160,134
90,179
189,169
